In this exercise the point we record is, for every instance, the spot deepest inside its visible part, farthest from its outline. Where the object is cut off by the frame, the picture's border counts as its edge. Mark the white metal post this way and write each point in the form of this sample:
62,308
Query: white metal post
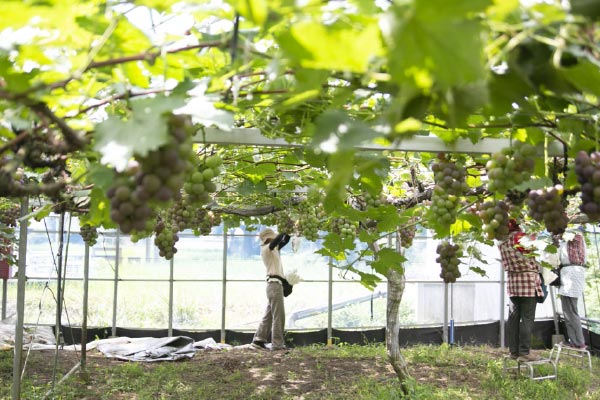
86,273
330,305
224,285
171,265
16,383
116,284
445,327
502,305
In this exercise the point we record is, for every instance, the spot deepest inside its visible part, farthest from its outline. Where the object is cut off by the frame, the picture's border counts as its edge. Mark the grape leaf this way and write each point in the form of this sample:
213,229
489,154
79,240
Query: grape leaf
338,46
99,214
386,259
434,38
145,130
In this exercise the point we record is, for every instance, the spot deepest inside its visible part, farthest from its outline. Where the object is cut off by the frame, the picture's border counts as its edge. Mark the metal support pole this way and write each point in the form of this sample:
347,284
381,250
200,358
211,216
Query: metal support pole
16,383
451,328
224,287
171,265
554,313
4,297
59,292
86,275
445,327
502,305
116,284
330,305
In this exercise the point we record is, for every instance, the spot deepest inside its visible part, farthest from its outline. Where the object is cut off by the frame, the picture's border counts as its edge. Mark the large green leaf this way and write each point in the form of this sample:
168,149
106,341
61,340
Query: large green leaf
337,46
145,130
99,214
436,38
388,259
585,76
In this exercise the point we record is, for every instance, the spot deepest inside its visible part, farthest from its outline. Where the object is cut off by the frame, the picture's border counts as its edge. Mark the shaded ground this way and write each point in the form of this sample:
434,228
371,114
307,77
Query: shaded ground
324,373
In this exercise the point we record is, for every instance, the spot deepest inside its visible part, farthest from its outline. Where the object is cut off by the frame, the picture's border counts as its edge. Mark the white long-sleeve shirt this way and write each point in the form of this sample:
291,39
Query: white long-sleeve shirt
572,277
272,260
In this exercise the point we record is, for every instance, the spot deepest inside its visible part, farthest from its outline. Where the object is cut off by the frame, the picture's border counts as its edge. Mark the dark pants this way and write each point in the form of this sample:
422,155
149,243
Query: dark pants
520,324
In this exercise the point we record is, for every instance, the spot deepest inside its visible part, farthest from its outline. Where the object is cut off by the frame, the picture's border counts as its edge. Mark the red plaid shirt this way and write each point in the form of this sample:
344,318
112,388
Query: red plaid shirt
522,270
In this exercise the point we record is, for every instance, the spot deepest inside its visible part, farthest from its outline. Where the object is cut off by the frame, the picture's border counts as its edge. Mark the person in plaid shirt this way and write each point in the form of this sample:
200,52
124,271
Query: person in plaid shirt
524,284
572,281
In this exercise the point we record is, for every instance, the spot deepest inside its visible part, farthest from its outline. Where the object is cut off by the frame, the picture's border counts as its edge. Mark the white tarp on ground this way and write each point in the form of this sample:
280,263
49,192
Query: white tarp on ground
36,337
149,349
146,349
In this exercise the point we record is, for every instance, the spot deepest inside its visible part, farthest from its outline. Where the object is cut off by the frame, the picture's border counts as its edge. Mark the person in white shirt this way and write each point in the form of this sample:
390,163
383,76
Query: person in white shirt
572,281
273,321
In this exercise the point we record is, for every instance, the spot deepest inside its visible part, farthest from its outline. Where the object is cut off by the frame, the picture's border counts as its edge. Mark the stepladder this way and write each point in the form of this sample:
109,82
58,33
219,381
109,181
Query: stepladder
541,369
562,350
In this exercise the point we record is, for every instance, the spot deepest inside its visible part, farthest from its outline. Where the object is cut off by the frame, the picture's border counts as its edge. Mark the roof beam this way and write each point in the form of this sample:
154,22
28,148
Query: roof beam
425,144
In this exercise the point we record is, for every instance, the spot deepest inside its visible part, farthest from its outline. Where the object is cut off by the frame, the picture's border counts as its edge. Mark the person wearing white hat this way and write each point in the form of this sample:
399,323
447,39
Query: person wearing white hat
273,321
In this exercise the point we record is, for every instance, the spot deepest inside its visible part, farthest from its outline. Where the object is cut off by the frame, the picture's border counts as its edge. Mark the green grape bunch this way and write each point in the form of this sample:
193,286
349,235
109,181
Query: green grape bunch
374,201
308,221
587,169
547,206
284,222
89,234
450,185
494,215
510,167
449,260
345,228
201,182
165,239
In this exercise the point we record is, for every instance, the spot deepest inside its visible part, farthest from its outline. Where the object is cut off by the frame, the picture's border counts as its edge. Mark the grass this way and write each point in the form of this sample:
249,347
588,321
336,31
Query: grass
308,373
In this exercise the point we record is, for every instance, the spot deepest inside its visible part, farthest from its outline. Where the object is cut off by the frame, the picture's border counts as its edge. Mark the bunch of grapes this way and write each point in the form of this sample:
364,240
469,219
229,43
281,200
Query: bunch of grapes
284,222
587,169
9,213
165,239
308,221
449,259
494,215
510,167
345,228
449,186
201,184
157,180
89,234
547,206
407,234
127,209
372,200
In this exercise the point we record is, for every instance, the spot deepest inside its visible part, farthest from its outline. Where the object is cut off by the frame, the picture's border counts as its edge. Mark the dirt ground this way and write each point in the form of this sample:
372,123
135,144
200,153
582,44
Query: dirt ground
292,372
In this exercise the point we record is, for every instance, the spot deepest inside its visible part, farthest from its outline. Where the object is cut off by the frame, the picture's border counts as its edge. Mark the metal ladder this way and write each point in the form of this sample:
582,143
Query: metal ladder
532,368
583,354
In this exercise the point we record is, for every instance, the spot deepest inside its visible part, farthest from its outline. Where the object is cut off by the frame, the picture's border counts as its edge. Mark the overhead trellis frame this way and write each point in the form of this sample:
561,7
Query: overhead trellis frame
423,144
